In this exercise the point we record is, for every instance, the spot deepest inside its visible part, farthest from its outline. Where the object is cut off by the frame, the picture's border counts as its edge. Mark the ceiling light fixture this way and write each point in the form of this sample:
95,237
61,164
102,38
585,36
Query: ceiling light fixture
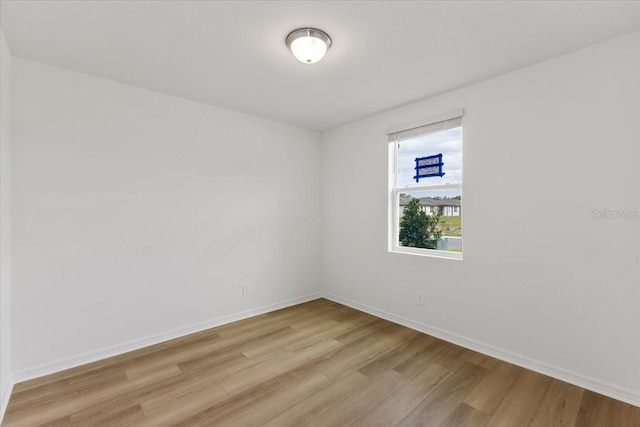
308,45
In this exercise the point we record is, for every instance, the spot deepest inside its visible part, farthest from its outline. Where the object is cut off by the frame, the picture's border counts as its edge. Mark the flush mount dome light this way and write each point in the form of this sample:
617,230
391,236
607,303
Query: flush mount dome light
308,45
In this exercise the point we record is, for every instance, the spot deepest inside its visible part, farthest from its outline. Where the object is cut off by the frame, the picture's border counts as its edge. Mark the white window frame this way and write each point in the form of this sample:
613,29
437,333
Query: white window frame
395,191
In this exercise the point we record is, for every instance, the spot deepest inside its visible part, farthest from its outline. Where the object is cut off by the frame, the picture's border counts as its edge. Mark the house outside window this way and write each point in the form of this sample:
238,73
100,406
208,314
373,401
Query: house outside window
425,188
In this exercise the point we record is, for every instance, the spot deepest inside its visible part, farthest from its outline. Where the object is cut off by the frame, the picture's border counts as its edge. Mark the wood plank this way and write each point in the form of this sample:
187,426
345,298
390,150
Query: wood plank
520,405
421,360
560,406
69,406
396,355
181,407
110,415
484,361
294,390
114,363
395,407
302,413
363,331
362,400
311,334
216,413
598,410
466,416
437,407
455,357
495,385
49,393
270,369
375,345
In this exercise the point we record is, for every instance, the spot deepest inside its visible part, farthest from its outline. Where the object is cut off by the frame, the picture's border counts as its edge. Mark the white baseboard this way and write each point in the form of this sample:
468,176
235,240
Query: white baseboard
611,390
5,399
623,394
93,356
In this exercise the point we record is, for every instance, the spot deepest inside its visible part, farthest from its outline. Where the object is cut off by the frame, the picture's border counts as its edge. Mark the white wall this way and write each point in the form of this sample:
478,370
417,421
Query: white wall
551,288
5,223
138,213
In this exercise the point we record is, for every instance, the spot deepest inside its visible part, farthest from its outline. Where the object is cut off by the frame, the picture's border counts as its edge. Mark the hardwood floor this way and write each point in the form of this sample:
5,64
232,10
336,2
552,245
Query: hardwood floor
317,364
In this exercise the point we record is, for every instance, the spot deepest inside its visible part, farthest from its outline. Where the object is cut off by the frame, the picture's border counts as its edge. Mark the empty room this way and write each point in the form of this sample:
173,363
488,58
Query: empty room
319,213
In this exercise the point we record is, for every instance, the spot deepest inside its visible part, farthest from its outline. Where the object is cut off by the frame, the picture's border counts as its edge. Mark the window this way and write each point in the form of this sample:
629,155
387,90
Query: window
425,195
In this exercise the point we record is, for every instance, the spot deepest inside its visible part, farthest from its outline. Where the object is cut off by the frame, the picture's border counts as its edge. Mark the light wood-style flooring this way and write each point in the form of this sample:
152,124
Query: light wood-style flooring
318,364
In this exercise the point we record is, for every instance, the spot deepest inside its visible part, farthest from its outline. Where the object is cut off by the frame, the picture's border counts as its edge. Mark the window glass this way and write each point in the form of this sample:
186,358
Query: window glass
426,190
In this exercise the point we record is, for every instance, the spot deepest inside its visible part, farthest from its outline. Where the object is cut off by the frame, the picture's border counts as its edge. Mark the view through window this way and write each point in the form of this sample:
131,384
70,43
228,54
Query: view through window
426,193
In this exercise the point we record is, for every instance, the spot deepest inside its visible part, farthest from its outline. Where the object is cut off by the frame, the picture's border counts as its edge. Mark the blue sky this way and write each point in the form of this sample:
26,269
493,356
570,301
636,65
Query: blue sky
449,144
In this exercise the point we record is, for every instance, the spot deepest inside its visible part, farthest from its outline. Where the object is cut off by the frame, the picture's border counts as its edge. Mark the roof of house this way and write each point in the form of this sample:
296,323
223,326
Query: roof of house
428,201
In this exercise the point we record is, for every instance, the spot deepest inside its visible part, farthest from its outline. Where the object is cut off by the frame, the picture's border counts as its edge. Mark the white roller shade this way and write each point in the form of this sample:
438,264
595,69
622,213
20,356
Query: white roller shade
417,131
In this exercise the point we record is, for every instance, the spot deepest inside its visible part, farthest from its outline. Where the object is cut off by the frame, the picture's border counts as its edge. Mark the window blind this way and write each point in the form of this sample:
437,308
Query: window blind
418,131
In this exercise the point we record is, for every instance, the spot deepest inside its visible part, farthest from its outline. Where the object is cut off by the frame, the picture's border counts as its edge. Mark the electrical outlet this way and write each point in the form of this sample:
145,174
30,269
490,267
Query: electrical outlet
420,299
245,289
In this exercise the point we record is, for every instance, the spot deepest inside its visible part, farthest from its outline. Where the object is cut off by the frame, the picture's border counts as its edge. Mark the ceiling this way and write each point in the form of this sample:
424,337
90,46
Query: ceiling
233,54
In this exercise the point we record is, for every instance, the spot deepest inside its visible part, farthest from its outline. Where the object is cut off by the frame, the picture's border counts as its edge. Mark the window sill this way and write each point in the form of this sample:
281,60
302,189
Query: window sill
432,253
